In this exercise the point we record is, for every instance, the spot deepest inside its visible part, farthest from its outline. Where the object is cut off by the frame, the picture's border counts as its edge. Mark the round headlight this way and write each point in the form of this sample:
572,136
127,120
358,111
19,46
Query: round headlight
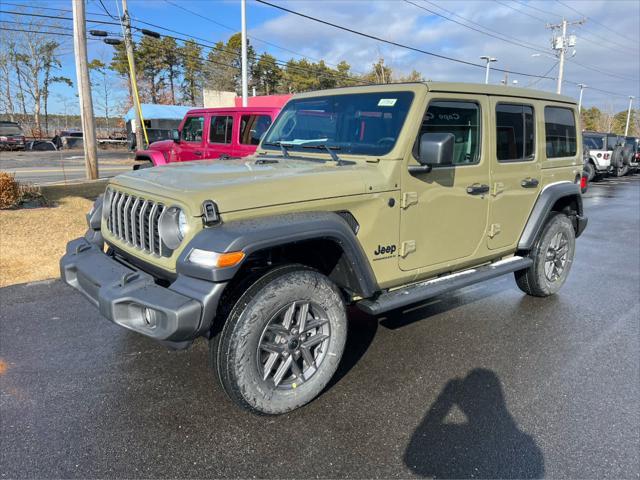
172,227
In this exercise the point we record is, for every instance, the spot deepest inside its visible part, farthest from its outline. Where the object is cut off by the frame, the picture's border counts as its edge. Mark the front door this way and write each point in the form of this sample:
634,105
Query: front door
444,212
191,146
515,179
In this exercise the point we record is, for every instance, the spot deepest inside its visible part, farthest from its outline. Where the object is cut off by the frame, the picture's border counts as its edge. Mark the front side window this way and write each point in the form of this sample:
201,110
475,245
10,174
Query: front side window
515,132
221,129
253,127
560,132
460,118
192,129
358,123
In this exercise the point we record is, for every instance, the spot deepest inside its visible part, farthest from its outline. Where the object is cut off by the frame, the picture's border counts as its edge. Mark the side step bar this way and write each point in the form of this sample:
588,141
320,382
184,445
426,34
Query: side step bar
425,290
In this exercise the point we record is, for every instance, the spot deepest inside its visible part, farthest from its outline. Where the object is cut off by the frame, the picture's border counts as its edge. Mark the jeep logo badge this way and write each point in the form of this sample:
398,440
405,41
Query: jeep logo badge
385,250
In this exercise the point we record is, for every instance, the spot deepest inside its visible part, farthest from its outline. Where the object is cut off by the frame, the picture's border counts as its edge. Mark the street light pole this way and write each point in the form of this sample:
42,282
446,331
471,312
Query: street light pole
626,128
243,19
488,60
582,87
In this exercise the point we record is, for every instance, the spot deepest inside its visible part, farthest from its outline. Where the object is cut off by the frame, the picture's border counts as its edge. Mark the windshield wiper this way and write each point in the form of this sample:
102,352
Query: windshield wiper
283,147
330,149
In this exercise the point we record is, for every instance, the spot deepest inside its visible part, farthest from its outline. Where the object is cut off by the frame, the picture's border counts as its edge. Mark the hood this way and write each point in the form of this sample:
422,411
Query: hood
242,184
161,145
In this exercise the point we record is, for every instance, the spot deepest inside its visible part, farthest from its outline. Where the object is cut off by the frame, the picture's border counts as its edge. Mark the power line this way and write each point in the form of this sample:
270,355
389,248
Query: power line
521,11
493,35
36,31
595,22
390,42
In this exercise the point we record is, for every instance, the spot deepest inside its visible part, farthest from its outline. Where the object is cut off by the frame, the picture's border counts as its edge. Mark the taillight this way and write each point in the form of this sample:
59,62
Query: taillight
606,156
583,182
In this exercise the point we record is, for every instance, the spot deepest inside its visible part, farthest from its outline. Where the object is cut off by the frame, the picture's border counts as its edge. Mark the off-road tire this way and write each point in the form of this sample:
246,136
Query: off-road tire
621,171
590,170
238,354
534,280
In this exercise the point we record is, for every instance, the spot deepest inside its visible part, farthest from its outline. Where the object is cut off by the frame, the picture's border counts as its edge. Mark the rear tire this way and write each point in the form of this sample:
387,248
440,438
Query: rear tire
283,340
552,257
621,171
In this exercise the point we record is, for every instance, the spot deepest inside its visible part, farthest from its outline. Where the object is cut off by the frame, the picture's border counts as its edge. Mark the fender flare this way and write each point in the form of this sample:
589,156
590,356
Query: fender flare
154,156
262,233
546,200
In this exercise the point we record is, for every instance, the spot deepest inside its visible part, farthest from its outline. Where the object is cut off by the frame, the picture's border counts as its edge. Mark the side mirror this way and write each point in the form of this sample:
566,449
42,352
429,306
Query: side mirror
436,150
175,134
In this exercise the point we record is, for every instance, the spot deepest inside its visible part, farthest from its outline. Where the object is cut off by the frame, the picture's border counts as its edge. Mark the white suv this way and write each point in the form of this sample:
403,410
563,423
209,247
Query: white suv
599,161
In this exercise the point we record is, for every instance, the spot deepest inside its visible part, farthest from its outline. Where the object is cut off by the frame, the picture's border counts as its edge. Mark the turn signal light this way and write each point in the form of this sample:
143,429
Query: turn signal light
209,259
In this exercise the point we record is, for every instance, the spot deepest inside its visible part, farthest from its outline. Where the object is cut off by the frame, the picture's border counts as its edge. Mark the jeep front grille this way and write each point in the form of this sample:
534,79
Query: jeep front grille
134,220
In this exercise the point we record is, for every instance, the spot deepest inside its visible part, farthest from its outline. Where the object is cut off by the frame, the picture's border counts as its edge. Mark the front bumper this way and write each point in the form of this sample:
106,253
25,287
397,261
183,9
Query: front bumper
130,297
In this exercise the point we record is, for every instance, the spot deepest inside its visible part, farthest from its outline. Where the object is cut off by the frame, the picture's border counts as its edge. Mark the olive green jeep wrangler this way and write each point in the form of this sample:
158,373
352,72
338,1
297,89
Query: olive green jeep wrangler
378,197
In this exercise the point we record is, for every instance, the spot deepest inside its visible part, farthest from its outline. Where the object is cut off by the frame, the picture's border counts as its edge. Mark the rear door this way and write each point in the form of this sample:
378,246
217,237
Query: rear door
252,127
221,133
191,146
515,169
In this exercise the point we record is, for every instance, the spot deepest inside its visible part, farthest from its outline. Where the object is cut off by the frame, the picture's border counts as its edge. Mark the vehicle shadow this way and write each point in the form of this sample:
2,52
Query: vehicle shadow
487,444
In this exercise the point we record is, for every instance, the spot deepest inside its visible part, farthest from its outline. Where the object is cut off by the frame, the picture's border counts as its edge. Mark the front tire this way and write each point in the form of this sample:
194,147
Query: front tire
283,340
552,258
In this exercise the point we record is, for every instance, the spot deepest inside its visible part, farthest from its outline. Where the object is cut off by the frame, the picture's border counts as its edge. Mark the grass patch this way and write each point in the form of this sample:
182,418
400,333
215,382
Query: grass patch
32,240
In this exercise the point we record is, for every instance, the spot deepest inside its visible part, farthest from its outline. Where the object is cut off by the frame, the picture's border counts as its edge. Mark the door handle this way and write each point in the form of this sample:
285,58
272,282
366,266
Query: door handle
477,189
529,183
198,153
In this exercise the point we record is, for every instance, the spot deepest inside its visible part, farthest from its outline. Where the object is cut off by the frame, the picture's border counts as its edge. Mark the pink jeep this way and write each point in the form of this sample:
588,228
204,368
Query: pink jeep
207,133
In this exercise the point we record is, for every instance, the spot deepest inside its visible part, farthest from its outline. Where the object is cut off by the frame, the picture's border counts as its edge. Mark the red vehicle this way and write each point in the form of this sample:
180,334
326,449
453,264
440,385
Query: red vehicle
209,133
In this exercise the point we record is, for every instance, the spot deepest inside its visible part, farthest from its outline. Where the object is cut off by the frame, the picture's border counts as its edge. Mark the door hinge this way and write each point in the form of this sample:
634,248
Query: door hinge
498,188
407,247
408,199
494,230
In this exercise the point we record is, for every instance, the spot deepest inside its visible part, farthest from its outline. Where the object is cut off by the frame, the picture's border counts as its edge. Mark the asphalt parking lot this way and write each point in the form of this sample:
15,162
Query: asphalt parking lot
62,166
484,383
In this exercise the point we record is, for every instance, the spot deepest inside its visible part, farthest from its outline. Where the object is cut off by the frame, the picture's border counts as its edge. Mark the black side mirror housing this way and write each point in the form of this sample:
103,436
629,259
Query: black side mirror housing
175,134
436,149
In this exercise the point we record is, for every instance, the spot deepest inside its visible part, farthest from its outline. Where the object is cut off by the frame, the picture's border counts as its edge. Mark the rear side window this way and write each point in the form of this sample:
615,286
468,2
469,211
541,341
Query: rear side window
192,129
515,132
460,118
560,132
253,127
221,128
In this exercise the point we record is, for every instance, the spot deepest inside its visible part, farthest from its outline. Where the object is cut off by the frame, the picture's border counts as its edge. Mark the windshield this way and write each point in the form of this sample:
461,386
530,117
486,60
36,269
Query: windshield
593,143
362,123
10,130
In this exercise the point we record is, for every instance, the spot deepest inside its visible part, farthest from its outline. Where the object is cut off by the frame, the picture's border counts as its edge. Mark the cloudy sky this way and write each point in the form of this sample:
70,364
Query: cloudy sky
607,52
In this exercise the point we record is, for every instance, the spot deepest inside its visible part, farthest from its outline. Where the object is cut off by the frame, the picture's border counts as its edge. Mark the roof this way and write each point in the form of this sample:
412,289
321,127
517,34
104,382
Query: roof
234,109
270,101
152,111
453,87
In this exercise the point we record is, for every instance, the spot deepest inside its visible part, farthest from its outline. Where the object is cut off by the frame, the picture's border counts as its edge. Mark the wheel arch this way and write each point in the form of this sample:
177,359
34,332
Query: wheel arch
321,240
557,197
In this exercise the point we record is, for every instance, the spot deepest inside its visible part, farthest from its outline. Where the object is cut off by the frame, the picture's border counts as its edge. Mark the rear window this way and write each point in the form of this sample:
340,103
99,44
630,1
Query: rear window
560,132
10,130
515,132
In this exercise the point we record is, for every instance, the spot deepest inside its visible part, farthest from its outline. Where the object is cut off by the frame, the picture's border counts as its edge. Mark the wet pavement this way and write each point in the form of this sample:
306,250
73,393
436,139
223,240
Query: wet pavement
485,382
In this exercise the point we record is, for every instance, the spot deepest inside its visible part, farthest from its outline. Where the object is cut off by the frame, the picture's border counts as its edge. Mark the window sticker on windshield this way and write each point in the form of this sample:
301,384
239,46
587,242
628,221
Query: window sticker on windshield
387,102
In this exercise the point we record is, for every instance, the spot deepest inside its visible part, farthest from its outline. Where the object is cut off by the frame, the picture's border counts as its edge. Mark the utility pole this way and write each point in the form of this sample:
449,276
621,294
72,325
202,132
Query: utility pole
245,82
488,60
560,44
128,43
84,90
626,128
582,87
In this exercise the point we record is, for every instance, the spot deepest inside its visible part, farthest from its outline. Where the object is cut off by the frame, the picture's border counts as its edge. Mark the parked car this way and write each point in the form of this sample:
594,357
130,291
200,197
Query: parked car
379,196
210,133
598,162
11,136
